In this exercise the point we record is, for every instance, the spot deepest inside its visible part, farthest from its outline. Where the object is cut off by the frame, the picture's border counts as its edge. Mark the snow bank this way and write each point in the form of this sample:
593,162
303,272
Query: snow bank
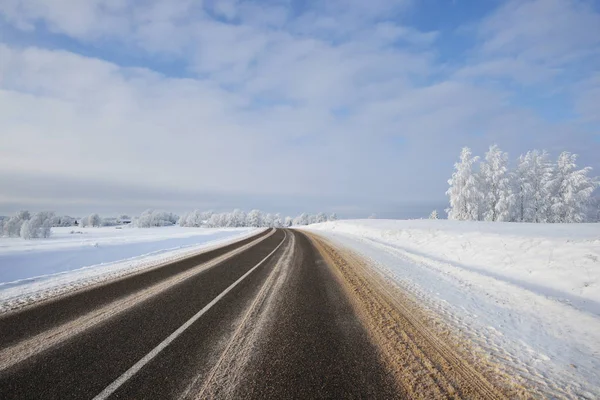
526,293
31,270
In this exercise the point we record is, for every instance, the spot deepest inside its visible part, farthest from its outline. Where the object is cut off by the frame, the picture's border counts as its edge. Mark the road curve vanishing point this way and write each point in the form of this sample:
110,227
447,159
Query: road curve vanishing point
275,316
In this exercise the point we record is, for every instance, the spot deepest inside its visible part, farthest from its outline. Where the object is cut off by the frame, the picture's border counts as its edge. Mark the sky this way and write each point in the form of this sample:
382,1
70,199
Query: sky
358,107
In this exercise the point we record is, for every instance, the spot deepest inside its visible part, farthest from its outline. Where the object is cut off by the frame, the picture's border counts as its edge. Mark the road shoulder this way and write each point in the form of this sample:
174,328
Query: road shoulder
416,347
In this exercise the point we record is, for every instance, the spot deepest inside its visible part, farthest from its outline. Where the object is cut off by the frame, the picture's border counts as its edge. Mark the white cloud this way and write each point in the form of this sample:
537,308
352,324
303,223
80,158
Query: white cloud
587,98
276,104
82,19
521,71
548,31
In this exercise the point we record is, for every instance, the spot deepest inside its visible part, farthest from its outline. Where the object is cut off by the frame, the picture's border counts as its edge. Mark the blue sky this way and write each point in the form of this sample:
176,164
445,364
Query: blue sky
349,106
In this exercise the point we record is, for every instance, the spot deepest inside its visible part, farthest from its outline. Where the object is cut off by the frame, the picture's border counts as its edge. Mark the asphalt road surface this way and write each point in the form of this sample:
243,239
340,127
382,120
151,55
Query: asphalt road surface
264,318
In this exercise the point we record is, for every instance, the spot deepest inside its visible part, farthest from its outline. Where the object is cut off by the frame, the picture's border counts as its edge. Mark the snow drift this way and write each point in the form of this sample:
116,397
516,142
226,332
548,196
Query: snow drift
526,294
75,257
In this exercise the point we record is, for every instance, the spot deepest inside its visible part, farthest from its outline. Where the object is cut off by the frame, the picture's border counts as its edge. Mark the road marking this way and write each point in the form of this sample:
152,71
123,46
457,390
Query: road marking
110,389
47,339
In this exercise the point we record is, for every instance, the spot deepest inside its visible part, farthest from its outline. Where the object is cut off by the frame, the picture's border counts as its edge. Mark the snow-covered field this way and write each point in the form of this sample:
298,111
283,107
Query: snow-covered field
527,294
73,257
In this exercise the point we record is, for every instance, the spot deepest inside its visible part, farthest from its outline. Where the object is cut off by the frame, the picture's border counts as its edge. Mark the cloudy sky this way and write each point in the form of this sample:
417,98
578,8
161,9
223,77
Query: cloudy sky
352,106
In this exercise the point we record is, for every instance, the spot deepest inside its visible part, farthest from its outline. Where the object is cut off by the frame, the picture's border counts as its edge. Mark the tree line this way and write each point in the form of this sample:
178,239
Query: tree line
254,218
38,225
537,189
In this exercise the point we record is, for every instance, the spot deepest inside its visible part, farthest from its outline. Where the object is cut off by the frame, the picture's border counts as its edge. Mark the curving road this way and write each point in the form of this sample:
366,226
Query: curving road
264,318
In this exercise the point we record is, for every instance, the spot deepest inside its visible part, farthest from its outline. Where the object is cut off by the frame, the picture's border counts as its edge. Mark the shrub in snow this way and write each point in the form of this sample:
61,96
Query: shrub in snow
433,215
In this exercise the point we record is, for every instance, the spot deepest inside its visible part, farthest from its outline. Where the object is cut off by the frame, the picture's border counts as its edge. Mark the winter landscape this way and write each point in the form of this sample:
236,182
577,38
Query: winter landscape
268,200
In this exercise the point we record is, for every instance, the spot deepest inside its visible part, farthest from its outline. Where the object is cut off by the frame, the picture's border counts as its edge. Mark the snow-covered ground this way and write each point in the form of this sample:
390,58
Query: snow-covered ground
527,294
73,257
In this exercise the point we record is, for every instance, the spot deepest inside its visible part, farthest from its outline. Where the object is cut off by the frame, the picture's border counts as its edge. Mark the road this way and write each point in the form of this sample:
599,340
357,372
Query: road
281,315
285,330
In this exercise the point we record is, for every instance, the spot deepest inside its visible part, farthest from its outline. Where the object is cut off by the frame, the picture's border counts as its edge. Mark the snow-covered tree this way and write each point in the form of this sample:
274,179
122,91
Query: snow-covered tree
532,185
91,220
192,219
321,217
594,210
433,215
238,218
495,185
152,218
302,219
38,226
277,221
268,219
12,227
123,219
333,217
254,218
63,220
571,190
464,194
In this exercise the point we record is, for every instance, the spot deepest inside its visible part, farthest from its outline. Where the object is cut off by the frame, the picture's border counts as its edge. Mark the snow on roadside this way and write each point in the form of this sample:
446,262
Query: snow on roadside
66,262
524,293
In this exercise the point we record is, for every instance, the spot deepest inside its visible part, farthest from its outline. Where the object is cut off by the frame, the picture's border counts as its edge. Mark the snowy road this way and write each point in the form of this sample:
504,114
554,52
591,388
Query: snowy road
263,318
282,314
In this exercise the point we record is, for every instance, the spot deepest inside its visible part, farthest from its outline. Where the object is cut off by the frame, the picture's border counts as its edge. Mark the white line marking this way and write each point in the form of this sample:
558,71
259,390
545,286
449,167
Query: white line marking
110,389
51,337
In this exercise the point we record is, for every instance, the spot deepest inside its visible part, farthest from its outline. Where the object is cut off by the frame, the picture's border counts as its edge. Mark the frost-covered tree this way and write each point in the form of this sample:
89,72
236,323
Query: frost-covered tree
594,210
302,219
183,219
321,217
494,181
433,215
254,218
268,219
277,221
192,219
12,227
123,219
333,217
532,186
93,220
63,220
521,188
155,218
464,194
238,218
571,190
38,226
